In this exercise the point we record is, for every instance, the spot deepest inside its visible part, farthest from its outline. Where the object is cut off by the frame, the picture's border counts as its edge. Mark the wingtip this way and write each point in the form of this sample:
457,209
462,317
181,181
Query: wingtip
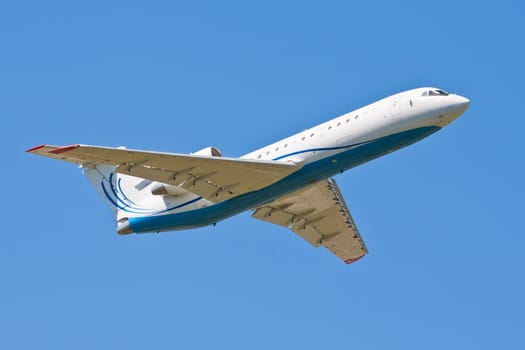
349,261
32,149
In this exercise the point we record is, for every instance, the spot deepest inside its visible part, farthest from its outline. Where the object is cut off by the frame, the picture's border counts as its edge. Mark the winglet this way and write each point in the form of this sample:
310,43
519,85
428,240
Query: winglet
32,149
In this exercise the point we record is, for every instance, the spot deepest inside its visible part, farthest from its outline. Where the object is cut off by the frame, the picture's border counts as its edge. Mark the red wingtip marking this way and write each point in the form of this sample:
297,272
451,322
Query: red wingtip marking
64,149
349,261
35,148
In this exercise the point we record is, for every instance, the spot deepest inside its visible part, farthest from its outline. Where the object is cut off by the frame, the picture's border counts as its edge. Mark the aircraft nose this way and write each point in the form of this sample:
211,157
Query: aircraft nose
457,106
461,103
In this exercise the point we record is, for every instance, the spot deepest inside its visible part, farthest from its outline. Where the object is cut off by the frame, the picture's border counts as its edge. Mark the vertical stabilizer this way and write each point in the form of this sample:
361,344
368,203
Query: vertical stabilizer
116,190
130,196
102,178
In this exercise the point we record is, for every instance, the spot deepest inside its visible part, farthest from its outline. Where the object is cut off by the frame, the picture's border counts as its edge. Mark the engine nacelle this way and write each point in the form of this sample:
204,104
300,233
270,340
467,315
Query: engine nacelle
209,151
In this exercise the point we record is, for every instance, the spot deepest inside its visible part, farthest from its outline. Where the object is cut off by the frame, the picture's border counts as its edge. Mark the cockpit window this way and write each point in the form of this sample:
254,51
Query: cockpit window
435,92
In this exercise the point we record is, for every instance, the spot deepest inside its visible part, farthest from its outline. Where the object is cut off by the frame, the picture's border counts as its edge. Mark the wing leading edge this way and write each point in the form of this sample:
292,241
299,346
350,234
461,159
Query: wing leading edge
319,214
213,178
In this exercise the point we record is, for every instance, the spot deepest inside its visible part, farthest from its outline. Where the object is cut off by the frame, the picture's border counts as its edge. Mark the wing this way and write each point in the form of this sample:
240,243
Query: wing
319,214
213,178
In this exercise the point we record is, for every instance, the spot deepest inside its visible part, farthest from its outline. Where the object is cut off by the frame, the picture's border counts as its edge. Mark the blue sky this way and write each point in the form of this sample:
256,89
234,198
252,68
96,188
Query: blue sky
442,219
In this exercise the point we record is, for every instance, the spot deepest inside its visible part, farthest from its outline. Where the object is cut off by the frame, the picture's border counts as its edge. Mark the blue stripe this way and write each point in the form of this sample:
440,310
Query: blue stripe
147,211
111,199
309,173
122,192
320,150
115,193
180,205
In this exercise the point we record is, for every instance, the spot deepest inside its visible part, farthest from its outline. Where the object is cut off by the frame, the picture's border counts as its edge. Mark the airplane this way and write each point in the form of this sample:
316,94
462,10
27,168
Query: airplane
288,183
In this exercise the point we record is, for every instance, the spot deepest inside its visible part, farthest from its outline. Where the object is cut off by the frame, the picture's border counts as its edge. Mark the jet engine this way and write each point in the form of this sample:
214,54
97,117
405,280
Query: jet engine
208,151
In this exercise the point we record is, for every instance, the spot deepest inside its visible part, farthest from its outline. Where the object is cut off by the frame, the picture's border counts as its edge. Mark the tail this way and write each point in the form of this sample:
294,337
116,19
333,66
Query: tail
122,193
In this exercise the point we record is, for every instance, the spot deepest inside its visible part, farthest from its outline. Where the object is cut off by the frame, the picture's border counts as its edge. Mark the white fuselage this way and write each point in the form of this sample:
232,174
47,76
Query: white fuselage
394,114
323,151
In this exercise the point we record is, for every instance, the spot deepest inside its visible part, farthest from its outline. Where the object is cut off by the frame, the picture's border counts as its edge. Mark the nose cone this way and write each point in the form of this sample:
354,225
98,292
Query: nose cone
457,105
461,103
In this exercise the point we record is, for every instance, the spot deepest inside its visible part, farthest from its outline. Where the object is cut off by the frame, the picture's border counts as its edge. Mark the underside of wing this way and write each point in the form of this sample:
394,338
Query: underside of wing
319,214
213,178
